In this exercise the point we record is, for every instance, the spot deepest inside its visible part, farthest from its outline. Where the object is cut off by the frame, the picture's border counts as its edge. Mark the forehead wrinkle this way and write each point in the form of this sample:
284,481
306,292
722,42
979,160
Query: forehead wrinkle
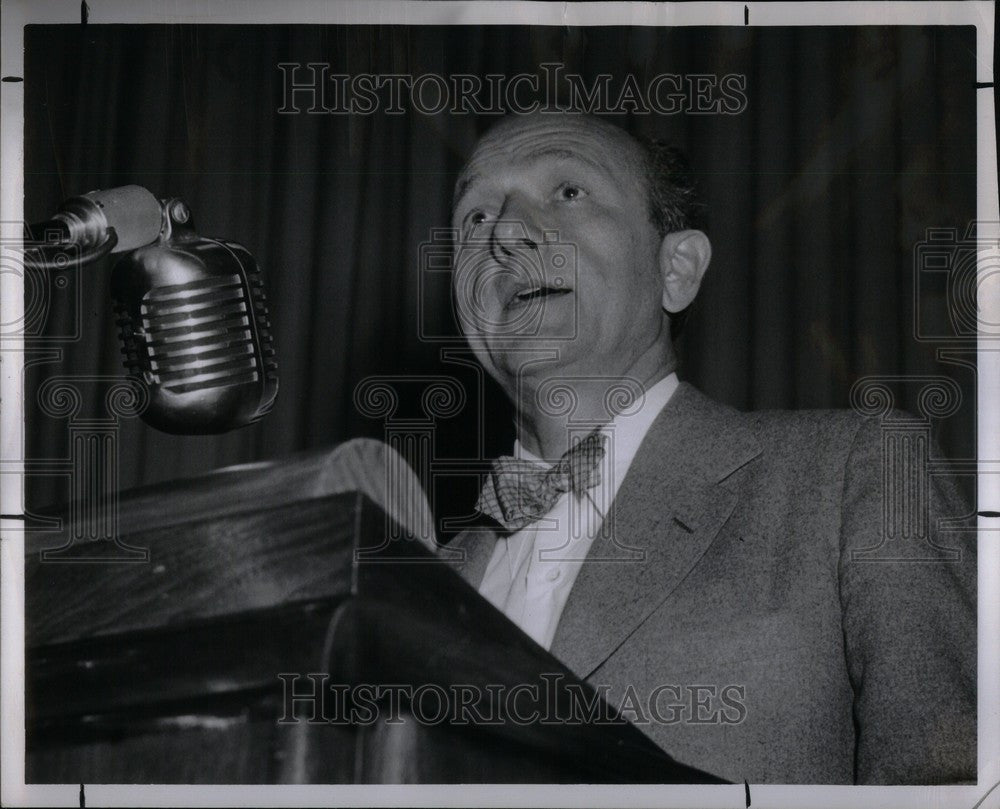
524,146
567,154
544,136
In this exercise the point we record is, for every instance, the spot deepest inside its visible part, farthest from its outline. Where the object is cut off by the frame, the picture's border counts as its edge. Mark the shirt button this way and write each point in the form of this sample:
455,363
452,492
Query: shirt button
553,574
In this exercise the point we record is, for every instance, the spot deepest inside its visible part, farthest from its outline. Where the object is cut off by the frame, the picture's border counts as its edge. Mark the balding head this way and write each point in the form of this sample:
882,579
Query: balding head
663,169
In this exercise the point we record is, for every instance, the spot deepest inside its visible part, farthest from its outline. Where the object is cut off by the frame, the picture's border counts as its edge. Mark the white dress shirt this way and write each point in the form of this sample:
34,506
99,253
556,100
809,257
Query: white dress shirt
532,571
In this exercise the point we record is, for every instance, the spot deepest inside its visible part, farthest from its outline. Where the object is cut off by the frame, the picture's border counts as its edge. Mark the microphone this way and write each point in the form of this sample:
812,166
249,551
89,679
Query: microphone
191,312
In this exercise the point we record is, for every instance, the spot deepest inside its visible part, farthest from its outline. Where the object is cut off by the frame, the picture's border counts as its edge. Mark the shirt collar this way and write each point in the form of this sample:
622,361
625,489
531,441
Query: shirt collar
626,431
630,428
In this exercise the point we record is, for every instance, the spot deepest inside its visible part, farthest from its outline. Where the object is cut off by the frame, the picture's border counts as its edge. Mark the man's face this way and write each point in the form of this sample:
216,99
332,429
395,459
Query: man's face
538,196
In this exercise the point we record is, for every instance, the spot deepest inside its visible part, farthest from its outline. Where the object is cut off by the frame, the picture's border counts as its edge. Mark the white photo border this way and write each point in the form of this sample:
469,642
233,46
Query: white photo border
18,13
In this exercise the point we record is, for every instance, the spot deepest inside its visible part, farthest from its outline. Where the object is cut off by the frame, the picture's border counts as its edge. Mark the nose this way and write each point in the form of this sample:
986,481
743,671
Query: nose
516,228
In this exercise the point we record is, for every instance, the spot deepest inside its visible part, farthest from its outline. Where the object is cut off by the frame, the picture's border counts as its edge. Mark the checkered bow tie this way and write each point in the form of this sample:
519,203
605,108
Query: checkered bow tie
519,492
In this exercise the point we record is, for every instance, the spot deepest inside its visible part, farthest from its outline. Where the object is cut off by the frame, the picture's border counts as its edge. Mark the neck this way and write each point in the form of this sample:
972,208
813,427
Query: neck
545,430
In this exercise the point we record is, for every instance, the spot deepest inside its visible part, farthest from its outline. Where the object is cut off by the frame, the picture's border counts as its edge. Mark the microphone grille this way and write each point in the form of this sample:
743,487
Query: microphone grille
201,339
199,335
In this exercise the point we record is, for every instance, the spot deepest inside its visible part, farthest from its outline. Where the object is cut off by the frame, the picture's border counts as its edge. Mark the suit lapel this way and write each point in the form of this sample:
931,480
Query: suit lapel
669,509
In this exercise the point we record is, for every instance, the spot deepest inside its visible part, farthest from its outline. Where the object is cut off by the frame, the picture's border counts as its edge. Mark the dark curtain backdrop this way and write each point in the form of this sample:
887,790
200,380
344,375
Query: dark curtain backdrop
854,142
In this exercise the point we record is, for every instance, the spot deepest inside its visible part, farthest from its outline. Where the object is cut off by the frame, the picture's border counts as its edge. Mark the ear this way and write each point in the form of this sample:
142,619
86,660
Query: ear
683,258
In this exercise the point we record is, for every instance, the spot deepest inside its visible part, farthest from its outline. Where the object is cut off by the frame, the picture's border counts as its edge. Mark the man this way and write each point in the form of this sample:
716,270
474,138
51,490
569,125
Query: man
710,563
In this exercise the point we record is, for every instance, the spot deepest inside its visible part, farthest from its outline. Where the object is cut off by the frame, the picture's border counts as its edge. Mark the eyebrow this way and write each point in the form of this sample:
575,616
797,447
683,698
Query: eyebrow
462,189
466,183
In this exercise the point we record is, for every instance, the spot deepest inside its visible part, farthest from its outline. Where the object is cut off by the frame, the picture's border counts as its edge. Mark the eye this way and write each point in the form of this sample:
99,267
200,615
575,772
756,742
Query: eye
473,219
570,192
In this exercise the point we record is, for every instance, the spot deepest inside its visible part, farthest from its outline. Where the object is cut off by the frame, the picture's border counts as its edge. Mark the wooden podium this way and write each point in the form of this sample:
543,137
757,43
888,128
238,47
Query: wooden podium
275,635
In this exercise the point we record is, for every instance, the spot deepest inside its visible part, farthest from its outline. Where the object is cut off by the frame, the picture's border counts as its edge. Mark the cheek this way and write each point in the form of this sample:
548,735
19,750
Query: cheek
470,285
619,264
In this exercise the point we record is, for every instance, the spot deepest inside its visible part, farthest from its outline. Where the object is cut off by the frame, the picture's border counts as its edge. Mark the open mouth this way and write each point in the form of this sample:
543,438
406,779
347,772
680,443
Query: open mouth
534,293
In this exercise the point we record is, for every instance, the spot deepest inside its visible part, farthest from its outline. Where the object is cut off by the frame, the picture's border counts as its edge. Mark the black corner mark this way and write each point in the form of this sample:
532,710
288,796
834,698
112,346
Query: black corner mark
11,78
746,786
84,12
746,15
980,85
988,513
83,798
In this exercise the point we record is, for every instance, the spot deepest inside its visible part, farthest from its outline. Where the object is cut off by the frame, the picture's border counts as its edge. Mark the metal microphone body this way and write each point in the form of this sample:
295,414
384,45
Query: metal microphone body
194,328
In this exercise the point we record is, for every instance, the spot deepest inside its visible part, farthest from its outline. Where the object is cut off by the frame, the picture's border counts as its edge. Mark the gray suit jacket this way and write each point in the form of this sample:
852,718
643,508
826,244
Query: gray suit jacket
725,612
